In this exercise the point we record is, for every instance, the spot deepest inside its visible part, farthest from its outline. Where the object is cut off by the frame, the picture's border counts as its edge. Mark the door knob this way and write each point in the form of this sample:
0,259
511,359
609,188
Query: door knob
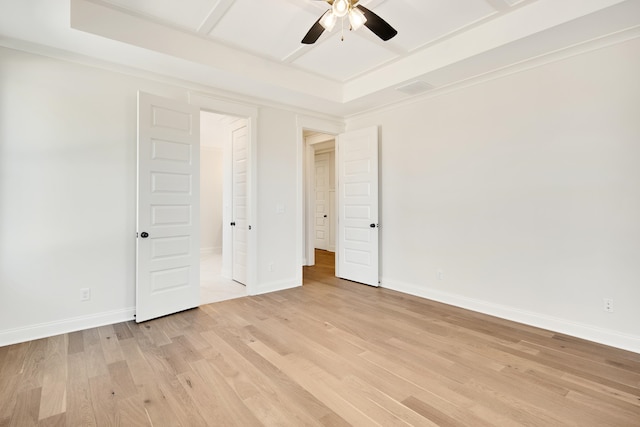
144,234
325,216
233,224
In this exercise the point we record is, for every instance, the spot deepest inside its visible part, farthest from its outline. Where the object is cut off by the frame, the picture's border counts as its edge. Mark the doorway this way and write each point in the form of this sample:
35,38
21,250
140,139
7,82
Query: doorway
320,194
356,209
323,192
221,194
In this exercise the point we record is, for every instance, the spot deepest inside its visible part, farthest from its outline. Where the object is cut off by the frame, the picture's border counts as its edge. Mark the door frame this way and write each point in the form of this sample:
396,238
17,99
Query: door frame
305,244
250,113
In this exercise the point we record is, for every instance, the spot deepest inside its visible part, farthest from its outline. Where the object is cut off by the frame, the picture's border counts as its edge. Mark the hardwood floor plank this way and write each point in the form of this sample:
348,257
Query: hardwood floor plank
122,331
110,345
27,408
96,365
31,371
103,400
608,413
330,353
399,411
216,400
153,330
76,342
13,358
250,375
54,383
155,405
121,380
131,412
59,420
79,405
308,376
54,399
8,394
432,414
174,354
179,401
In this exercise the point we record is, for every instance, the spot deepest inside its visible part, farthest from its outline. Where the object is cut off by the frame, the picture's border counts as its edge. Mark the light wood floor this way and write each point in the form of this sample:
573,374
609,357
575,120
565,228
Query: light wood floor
331,353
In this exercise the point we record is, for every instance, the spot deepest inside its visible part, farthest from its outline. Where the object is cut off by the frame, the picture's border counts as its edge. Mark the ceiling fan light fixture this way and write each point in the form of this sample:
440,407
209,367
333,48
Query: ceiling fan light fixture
340,8
328,20
356,18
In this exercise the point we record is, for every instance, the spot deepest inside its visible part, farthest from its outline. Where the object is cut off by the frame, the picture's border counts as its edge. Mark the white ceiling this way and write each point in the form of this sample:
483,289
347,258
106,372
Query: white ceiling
252,47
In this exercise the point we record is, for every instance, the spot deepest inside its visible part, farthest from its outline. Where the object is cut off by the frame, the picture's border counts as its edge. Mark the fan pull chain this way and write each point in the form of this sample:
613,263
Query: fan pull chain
342,29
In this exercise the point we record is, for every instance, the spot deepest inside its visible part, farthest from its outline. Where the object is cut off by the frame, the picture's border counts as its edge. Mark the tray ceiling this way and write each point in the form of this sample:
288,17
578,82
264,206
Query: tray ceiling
253,47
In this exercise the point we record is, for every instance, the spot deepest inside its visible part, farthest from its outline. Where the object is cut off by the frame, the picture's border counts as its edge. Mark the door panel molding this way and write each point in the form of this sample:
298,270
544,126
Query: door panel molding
357,188
168,207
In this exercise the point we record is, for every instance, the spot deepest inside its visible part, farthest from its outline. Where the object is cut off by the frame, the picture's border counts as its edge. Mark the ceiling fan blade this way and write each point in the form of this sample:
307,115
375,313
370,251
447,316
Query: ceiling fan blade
314,33
377,25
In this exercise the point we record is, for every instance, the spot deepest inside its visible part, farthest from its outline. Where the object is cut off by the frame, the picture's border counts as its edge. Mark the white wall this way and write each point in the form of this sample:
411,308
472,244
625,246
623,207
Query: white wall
68,194
525,192
277,200
211,199
528,195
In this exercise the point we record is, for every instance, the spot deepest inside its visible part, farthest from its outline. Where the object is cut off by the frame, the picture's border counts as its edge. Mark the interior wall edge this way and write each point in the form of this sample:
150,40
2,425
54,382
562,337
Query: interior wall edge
49,329
579,330
277,285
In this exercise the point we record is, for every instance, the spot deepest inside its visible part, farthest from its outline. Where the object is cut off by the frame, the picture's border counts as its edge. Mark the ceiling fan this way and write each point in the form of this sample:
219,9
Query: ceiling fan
358,16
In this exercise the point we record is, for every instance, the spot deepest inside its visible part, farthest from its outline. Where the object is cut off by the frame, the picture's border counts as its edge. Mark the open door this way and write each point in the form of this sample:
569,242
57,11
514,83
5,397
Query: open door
357,170
240,211
322,201
168,247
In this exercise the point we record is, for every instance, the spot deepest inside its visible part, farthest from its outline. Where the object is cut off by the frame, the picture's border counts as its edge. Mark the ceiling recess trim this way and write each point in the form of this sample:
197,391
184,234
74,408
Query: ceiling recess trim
415,87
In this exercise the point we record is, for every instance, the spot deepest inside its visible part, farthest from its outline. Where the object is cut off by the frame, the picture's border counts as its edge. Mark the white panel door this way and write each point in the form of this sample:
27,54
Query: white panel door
168,247
240,218
322,208
357,257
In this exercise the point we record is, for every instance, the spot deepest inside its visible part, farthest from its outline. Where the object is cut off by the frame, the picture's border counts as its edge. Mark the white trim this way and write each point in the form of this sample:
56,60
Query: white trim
65,326
580,330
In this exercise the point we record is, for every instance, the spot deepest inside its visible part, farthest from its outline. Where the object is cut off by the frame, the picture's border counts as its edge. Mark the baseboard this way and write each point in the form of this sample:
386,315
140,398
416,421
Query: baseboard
563,326
276,286
49,329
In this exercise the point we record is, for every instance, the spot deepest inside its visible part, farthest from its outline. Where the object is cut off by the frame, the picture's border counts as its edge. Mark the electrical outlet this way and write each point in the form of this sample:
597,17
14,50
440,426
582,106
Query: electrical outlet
85,294
271,266
608,305
440,274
